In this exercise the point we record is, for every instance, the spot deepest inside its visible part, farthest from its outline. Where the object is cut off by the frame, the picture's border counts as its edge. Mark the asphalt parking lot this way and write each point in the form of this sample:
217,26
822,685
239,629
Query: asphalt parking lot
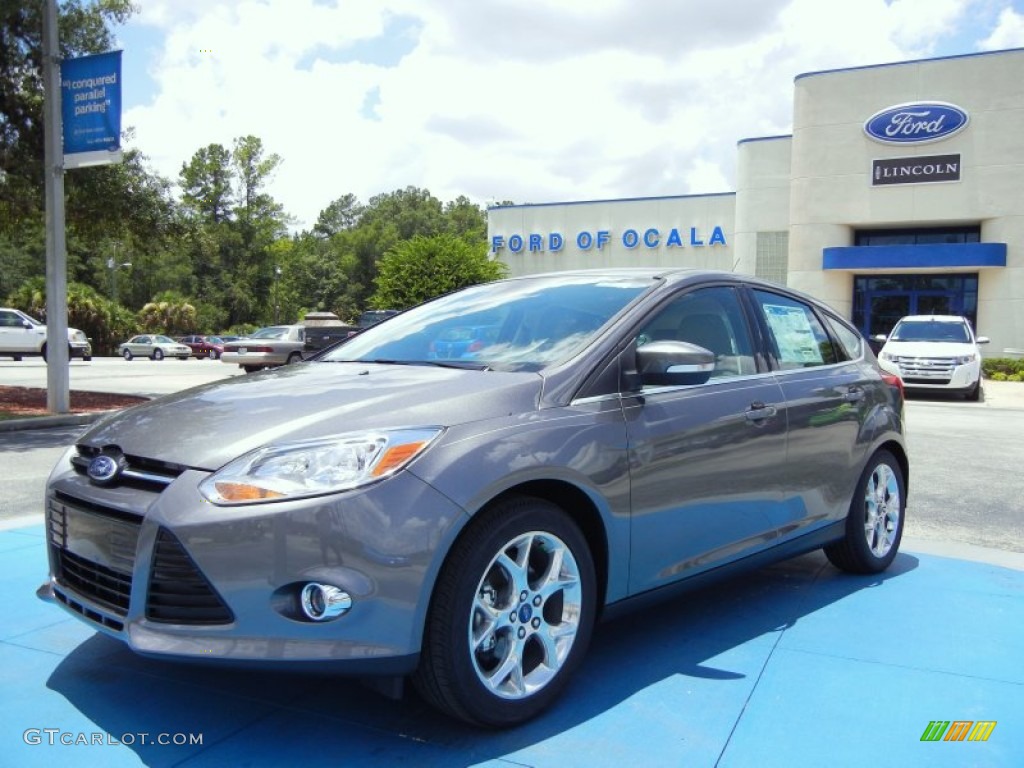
793,665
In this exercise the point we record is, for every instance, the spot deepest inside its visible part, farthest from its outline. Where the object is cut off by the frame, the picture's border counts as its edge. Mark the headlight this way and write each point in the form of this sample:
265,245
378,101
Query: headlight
964,359
315,467
889,357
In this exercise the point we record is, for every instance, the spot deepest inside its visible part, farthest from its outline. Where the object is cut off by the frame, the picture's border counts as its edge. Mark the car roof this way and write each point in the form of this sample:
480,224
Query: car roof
933,318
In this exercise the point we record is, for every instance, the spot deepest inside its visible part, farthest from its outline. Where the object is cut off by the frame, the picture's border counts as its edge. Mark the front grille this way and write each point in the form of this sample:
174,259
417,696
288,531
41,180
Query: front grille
94,553
139,472
926,370
178,591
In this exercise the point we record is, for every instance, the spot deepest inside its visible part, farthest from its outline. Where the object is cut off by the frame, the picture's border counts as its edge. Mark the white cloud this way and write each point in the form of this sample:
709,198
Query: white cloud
540,101
1009,32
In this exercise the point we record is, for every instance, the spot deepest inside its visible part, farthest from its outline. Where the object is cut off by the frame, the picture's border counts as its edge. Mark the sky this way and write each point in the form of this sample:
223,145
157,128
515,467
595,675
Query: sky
530,101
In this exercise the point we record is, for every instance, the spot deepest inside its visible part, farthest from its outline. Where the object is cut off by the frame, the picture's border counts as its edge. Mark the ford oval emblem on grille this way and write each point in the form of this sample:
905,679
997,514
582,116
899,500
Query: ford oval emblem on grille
916,123
104,469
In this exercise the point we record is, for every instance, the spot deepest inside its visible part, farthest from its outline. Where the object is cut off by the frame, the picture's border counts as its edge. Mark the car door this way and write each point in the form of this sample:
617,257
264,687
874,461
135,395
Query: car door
704,459
14,336
829,396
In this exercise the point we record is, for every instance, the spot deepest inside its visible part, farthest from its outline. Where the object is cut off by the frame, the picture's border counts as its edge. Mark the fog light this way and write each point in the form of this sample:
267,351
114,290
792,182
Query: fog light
322,601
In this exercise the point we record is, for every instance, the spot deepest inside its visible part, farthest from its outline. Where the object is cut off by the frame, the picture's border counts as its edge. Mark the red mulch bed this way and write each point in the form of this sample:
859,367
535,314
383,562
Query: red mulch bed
16,402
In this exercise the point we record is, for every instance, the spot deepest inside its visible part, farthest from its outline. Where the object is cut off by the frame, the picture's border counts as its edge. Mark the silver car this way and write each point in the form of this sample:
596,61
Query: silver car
464,521
153,346
266,348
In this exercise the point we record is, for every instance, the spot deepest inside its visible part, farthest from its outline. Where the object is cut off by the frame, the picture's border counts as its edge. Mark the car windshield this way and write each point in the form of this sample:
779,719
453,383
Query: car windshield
930,330
516,325
273,332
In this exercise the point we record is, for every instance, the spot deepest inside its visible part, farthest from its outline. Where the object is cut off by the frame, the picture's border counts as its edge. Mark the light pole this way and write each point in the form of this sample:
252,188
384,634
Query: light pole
113,266
277,303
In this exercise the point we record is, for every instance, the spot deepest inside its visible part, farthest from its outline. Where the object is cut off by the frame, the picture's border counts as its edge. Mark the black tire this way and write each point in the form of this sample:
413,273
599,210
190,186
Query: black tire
86,358
158,354
294,357
974,394
874,526
42,351
213,354
451,675
251,368
127,354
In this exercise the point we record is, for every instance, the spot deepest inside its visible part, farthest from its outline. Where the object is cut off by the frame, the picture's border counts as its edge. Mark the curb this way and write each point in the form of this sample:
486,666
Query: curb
44,422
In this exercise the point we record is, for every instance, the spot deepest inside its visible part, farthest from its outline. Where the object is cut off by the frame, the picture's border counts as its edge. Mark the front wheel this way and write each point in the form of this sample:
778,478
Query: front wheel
158,354
511,615
127,354
874,526
974,393
213,354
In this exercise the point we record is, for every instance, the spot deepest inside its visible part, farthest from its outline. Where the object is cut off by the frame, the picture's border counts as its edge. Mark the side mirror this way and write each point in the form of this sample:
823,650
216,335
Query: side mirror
983,340
669,363
879,337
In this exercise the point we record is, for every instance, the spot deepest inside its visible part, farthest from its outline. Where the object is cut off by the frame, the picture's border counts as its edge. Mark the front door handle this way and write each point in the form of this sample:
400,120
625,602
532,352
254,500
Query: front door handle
760,411
854,395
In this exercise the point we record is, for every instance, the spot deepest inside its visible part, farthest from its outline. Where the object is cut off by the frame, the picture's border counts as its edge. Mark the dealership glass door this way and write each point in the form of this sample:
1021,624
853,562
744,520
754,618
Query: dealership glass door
879,301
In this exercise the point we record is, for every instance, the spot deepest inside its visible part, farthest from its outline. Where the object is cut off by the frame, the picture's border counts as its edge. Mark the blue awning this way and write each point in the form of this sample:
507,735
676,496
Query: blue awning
941,255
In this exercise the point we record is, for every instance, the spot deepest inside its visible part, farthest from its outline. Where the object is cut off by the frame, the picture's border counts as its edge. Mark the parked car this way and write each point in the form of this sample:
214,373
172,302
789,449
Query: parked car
204,346
266,348
22,335
324,329
935,353
466,522
371,317
153,346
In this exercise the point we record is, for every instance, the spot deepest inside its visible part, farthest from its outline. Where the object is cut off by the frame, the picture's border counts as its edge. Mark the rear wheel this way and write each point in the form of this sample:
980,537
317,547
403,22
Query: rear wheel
294,357
874,526
511,615
158,354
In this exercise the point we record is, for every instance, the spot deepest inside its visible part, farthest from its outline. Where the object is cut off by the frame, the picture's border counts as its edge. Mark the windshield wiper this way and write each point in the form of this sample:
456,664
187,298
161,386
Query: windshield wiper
465,365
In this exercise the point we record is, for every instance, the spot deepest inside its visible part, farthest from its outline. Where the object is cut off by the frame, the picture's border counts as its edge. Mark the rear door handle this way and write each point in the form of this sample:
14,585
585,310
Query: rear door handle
760,411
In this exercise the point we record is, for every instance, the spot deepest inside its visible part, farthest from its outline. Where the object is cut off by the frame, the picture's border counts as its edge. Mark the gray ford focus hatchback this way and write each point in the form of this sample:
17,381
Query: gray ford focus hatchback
461,515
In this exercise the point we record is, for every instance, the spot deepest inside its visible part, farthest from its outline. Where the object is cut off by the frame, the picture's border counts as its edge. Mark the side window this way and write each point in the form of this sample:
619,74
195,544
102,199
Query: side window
711,318
799,339
851,343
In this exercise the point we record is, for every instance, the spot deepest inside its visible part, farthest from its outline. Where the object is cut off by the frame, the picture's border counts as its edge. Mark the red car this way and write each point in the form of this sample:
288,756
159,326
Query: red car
204,346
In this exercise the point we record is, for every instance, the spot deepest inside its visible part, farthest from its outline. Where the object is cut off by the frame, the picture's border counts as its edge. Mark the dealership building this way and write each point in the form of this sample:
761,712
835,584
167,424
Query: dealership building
900,191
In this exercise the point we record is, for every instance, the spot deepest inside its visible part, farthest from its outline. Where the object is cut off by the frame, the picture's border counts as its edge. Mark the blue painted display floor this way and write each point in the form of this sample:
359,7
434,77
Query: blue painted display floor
794,665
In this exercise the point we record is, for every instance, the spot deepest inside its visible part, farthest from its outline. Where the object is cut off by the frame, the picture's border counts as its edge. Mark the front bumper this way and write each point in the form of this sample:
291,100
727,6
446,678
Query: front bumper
172,575
937,374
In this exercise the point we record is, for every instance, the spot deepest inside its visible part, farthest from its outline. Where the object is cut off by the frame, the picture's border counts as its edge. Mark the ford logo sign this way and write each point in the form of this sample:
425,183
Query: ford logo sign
916,123
104,469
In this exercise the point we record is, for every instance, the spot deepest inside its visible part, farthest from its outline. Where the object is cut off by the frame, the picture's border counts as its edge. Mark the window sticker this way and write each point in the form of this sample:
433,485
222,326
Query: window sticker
793,334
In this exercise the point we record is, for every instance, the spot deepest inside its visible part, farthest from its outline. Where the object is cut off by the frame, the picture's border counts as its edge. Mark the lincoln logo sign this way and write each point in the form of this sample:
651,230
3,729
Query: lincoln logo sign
916,123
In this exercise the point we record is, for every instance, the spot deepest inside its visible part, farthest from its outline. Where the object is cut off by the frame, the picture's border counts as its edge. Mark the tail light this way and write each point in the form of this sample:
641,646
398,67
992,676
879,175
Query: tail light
893,381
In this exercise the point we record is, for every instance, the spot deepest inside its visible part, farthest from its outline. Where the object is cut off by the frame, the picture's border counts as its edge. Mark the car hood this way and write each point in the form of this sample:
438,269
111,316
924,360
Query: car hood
207,426
928,348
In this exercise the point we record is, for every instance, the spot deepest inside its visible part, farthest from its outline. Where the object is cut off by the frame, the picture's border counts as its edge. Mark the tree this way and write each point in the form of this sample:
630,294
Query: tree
424,267
340,215
206,184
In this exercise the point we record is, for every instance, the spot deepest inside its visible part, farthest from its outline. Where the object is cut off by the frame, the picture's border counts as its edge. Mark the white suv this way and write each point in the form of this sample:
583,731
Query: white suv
22,335
934,352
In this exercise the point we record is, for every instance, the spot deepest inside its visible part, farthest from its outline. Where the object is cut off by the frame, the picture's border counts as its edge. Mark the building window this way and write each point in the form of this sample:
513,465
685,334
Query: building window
772,256
917,236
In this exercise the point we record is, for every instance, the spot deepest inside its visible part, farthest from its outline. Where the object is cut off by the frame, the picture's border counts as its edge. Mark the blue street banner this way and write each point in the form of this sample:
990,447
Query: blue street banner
91,109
